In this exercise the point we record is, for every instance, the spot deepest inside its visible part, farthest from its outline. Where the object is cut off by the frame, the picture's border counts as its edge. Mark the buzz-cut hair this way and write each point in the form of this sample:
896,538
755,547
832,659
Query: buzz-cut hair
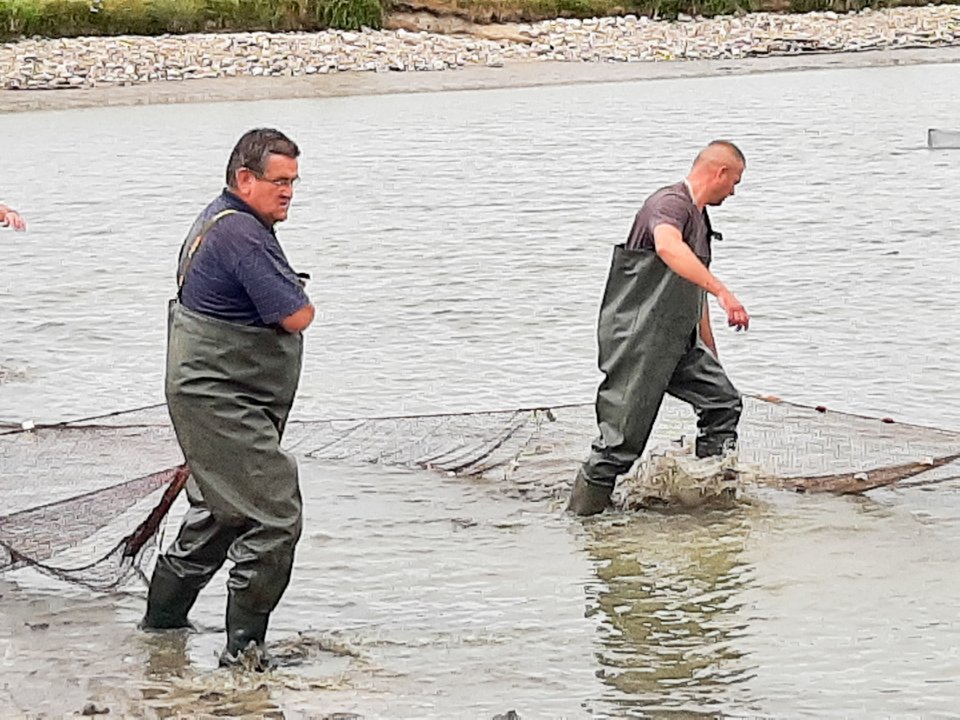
725,145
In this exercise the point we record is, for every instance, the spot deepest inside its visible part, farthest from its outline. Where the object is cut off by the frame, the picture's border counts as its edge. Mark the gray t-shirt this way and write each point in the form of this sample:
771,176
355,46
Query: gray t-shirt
672,205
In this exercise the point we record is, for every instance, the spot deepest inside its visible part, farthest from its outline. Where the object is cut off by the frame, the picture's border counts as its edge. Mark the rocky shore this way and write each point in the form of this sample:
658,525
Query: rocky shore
44,64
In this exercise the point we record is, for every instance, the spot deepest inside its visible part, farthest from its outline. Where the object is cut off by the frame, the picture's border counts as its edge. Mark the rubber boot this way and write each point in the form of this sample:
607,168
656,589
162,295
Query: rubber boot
713,445
588,498
245,629
169,600
718,445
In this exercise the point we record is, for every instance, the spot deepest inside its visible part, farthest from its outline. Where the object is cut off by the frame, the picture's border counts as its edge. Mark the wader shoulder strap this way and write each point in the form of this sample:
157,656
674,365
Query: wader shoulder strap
190,247
711,233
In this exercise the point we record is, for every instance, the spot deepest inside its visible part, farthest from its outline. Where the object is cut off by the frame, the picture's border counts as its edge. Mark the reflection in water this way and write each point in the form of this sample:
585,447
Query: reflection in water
667,587
166,654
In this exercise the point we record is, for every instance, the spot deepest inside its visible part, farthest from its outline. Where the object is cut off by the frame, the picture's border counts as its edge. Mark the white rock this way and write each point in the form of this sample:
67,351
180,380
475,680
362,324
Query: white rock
85,62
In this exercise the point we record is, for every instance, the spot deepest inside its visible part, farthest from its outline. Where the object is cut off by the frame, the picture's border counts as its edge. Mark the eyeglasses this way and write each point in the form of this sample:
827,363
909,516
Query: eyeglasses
279,182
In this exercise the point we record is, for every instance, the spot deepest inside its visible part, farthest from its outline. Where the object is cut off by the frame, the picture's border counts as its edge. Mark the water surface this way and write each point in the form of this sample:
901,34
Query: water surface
458,244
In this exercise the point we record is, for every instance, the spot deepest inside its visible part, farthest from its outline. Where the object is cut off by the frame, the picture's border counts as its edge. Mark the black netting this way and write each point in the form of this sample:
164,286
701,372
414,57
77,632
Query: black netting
84,499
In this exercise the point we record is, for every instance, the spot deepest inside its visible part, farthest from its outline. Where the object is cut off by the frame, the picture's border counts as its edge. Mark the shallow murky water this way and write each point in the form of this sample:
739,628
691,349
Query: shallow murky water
458,244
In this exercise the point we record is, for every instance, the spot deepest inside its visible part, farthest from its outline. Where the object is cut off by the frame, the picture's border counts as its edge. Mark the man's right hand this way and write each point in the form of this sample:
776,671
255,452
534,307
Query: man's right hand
736,313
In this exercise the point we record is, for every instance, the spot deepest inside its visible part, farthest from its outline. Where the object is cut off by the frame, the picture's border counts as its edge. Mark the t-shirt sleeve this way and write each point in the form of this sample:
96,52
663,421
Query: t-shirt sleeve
670,210
270,282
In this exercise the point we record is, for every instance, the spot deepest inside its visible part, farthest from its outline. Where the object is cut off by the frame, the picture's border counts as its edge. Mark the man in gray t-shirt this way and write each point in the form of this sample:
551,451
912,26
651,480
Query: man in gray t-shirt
654,328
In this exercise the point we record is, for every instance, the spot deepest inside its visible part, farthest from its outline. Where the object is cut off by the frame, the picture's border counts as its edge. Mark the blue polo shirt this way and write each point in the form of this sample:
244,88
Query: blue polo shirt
240,273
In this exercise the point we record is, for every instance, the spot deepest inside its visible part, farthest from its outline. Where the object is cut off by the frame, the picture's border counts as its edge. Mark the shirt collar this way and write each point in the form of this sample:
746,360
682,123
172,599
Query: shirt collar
235,202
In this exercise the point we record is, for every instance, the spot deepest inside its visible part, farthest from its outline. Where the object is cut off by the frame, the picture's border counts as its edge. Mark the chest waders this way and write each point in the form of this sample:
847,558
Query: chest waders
649,346
229,391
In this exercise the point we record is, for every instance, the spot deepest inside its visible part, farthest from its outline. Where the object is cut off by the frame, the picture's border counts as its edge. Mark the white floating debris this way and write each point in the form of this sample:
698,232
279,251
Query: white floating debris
675,477
943,139
28,425
861,476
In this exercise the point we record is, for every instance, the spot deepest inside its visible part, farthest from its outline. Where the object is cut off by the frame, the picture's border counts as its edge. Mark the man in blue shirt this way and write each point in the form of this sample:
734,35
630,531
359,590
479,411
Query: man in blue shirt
242,275
234,356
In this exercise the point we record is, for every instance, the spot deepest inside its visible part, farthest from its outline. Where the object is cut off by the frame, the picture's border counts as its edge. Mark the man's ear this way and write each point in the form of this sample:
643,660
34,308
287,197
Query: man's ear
241,180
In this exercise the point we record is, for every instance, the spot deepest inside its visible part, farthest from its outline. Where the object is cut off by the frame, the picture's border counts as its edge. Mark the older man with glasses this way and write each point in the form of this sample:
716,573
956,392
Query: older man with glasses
234,355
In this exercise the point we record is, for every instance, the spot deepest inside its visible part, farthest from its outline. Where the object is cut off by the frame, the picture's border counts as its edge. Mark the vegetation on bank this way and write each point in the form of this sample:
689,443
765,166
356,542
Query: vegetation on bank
72,18
486,11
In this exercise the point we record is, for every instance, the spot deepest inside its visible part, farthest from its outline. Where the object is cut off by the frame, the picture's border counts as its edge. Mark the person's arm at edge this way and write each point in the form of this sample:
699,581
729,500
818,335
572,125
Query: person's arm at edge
11,218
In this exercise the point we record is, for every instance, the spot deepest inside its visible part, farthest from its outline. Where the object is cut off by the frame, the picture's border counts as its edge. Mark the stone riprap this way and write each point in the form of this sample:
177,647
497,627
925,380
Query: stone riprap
129,60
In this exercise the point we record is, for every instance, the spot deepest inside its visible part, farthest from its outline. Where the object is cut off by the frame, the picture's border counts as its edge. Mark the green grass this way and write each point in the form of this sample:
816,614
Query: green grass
534,10
71,18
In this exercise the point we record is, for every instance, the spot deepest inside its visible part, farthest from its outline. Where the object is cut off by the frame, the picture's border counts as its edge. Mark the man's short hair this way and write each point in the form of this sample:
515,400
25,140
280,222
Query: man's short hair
722,145
254,149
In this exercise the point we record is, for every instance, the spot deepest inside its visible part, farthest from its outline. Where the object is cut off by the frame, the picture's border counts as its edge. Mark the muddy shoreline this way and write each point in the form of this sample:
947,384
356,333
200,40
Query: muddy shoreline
511,75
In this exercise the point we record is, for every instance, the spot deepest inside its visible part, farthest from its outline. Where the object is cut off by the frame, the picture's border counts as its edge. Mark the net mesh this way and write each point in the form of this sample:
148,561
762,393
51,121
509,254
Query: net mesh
85,499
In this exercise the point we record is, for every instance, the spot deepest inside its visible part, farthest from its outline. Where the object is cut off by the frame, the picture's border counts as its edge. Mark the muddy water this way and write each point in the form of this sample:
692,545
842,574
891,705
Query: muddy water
418,596
458,244
414,595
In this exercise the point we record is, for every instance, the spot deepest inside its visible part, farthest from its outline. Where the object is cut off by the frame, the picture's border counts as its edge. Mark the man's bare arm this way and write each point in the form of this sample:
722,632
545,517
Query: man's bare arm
683,261
300,320
706,331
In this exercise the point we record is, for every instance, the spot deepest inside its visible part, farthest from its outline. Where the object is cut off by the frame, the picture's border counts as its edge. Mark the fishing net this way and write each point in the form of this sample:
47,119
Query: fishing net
85,500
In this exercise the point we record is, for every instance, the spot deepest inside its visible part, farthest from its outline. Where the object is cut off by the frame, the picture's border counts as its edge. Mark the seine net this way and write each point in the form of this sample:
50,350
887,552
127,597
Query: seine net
85,500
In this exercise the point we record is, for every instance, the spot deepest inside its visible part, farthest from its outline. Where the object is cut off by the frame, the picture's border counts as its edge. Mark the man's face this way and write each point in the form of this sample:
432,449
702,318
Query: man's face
725,181
271,192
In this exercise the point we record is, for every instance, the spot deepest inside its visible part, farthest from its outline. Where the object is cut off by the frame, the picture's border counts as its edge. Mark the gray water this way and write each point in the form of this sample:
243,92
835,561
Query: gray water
458,244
